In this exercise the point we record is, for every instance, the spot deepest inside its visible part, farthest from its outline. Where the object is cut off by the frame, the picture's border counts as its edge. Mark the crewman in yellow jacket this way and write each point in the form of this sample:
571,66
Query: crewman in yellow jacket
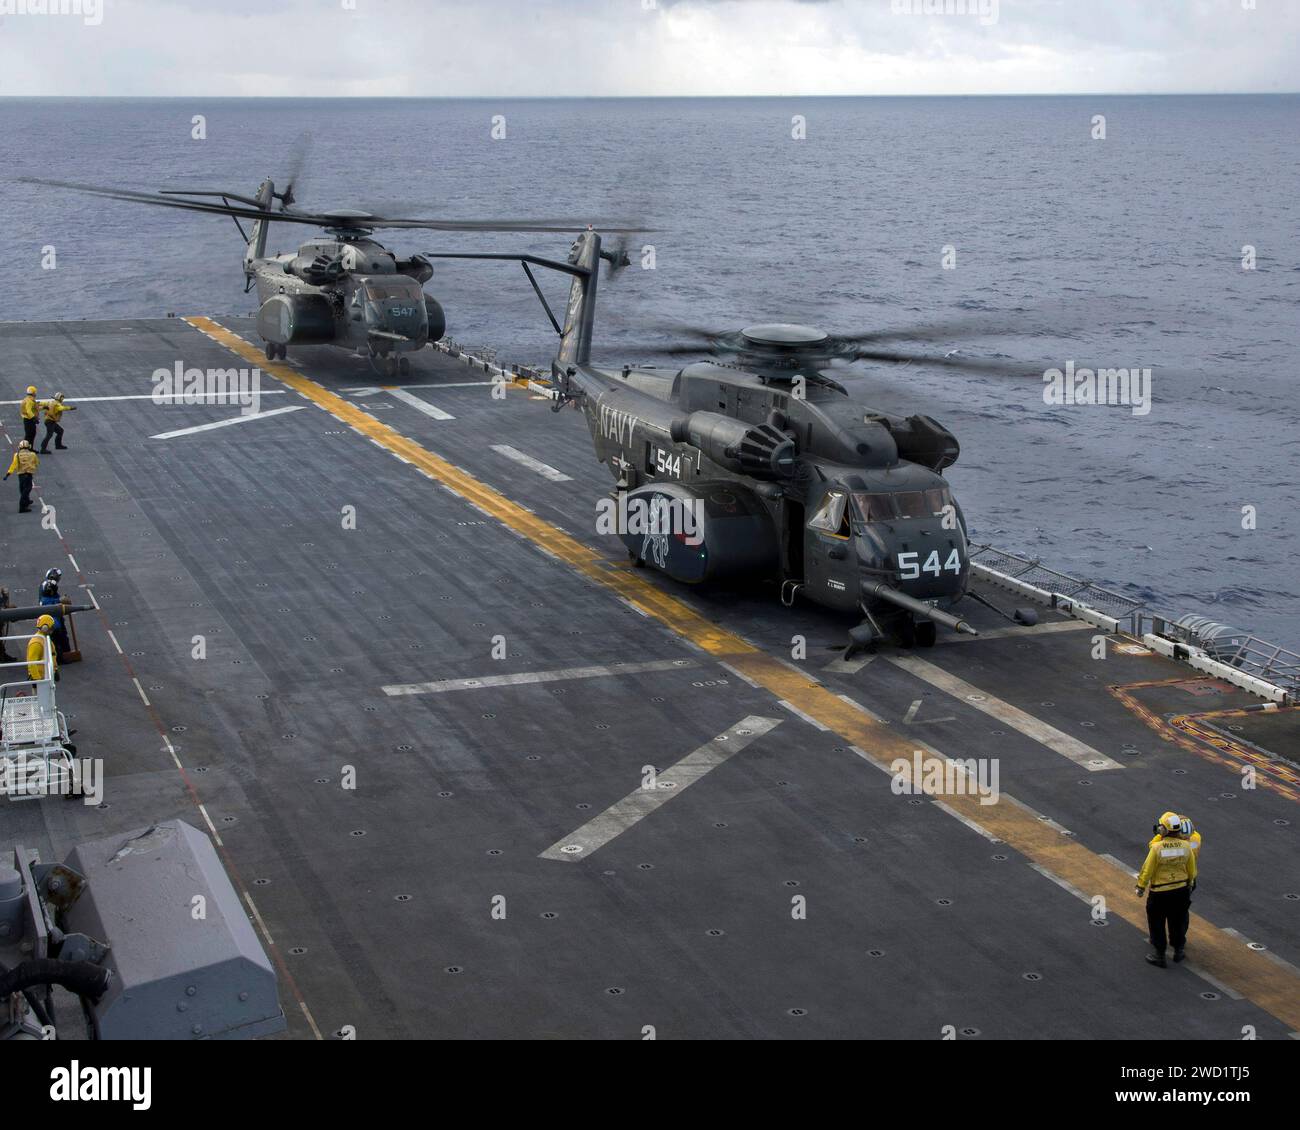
38,646
29,410
1170,872
24,464
54,409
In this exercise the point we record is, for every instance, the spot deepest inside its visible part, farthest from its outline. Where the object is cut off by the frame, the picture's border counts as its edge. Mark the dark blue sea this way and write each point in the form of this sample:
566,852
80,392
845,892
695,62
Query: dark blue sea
1123,252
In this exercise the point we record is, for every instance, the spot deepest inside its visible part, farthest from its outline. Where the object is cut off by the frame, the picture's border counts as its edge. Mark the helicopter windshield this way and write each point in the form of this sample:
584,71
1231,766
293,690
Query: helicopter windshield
377,292
882,507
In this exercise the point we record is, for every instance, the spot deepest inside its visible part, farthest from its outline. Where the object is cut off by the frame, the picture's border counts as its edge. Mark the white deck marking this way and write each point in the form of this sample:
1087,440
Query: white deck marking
227,422
181,400
1058,742
619,817
910,717
415,402
375,390
525,678
1046,874
968,822
543,469
801,715
848,666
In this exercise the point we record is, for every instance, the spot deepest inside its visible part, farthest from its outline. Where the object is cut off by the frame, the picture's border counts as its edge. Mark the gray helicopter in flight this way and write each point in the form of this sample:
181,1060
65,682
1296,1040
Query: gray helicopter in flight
757,465
341,288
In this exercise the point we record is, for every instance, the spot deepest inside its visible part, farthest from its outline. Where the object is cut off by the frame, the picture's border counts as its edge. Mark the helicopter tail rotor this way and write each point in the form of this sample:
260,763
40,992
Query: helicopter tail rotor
297,160
617,258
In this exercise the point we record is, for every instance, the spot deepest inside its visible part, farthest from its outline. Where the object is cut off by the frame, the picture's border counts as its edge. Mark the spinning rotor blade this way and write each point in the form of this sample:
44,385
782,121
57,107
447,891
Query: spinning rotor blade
362,220
297,159
783,348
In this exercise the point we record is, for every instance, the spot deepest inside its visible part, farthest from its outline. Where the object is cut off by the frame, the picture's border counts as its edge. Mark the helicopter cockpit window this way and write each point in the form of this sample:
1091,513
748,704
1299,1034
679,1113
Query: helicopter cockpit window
912,504
938,499
873,507
376,292
832,516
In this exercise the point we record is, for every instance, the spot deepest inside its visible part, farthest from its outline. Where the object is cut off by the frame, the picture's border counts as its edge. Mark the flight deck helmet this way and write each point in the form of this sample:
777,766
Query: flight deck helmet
1169,824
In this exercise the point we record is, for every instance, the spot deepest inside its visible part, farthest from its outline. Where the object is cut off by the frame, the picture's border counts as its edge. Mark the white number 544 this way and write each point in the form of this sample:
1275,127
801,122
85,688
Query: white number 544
910,566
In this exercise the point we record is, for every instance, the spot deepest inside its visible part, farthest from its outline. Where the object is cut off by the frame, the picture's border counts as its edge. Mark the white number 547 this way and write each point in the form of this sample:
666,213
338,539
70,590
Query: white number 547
910,566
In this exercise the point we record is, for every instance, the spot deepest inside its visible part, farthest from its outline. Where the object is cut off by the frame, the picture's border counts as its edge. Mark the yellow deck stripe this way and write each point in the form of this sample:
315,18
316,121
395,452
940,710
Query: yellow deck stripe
1226,958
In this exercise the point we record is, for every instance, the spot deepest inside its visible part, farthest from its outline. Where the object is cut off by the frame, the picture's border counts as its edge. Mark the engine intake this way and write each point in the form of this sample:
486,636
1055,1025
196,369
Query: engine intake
760,450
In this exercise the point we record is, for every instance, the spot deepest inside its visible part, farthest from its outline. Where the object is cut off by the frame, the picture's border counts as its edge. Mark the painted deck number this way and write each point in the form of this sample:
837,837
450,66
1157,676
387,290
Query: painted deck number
910,565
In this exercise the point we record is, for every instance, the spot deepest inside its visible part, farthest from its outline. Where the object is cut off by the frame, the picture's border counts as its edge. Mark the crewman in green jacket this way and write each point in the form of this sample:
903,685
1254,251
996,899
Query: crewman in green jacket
1170,873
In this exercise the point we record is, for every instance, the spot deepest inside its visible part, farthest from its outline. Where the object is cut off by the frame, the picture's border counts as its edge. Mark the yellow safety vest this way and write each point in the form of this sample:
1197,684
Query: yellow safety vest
1195,841
54,409
24,462
1170,864
36,656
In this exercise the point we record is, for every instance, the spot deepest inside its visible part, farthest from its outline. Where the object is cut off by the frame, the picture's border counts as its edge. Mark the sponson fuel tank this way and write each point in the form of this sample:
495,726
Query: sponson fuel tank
699,531
296,319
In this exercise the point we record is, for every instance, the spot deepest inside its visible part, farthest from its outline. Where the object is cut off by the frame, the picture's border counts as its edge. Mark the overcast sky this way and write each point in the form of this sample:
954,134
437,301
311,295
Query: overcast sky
495,48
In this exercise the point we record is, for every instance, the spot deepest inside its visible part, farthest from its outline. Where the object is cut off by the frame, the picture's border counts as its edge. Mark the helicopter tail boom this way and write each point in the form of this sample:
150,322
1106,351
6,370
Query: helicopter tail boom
580,313
257,237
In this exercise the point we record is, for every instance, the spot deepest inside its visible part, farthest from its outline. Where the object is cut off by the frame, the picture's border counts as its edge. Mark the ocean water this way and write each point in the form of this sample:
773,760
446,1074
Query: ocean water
1122,252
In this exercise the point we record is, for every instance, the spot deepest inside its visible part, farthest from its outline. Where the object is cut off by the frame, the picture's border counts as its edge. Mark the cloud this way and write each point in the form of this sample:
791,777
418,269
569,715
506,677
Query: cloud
522,48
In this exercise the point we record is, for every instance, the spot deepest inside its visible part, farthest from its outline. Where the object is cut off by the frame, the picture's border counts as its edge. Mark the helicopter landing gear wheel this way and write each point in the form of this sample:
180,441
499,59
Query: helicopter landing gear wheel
270,351
404,365
926,633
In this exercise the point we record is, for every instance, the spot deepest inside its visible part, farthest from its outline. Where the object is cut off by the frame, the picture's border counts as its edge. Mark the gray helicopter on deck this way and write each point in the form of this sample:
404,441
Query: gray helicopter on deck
756,464
342,288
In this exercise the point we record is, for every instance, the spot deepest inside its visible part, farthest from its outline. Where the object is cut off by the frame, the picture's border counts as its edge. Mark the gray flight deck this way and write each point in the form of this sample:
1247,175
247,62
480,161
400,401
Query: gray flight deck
376,903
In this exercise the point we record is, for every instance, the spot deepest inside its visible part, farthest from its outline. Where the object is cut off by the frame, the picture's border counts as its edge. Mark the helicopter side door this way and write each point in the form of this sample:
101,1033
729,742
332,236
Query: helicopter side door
830,557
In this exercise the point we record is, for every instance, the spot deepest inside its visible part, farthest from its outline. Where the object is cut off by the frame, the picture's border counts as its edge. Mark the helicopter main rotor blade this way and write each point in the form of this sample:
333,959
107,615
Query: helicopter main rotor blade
364,221
163,201
182,192
986,366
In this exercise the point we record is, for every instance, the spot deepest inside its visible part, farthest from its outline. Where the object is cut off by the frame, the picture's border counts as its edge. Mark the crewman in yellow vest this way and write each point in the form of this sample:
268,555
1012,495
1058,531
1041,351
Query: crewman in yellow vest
24,464
53,429
29,410
37,648
1170,872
